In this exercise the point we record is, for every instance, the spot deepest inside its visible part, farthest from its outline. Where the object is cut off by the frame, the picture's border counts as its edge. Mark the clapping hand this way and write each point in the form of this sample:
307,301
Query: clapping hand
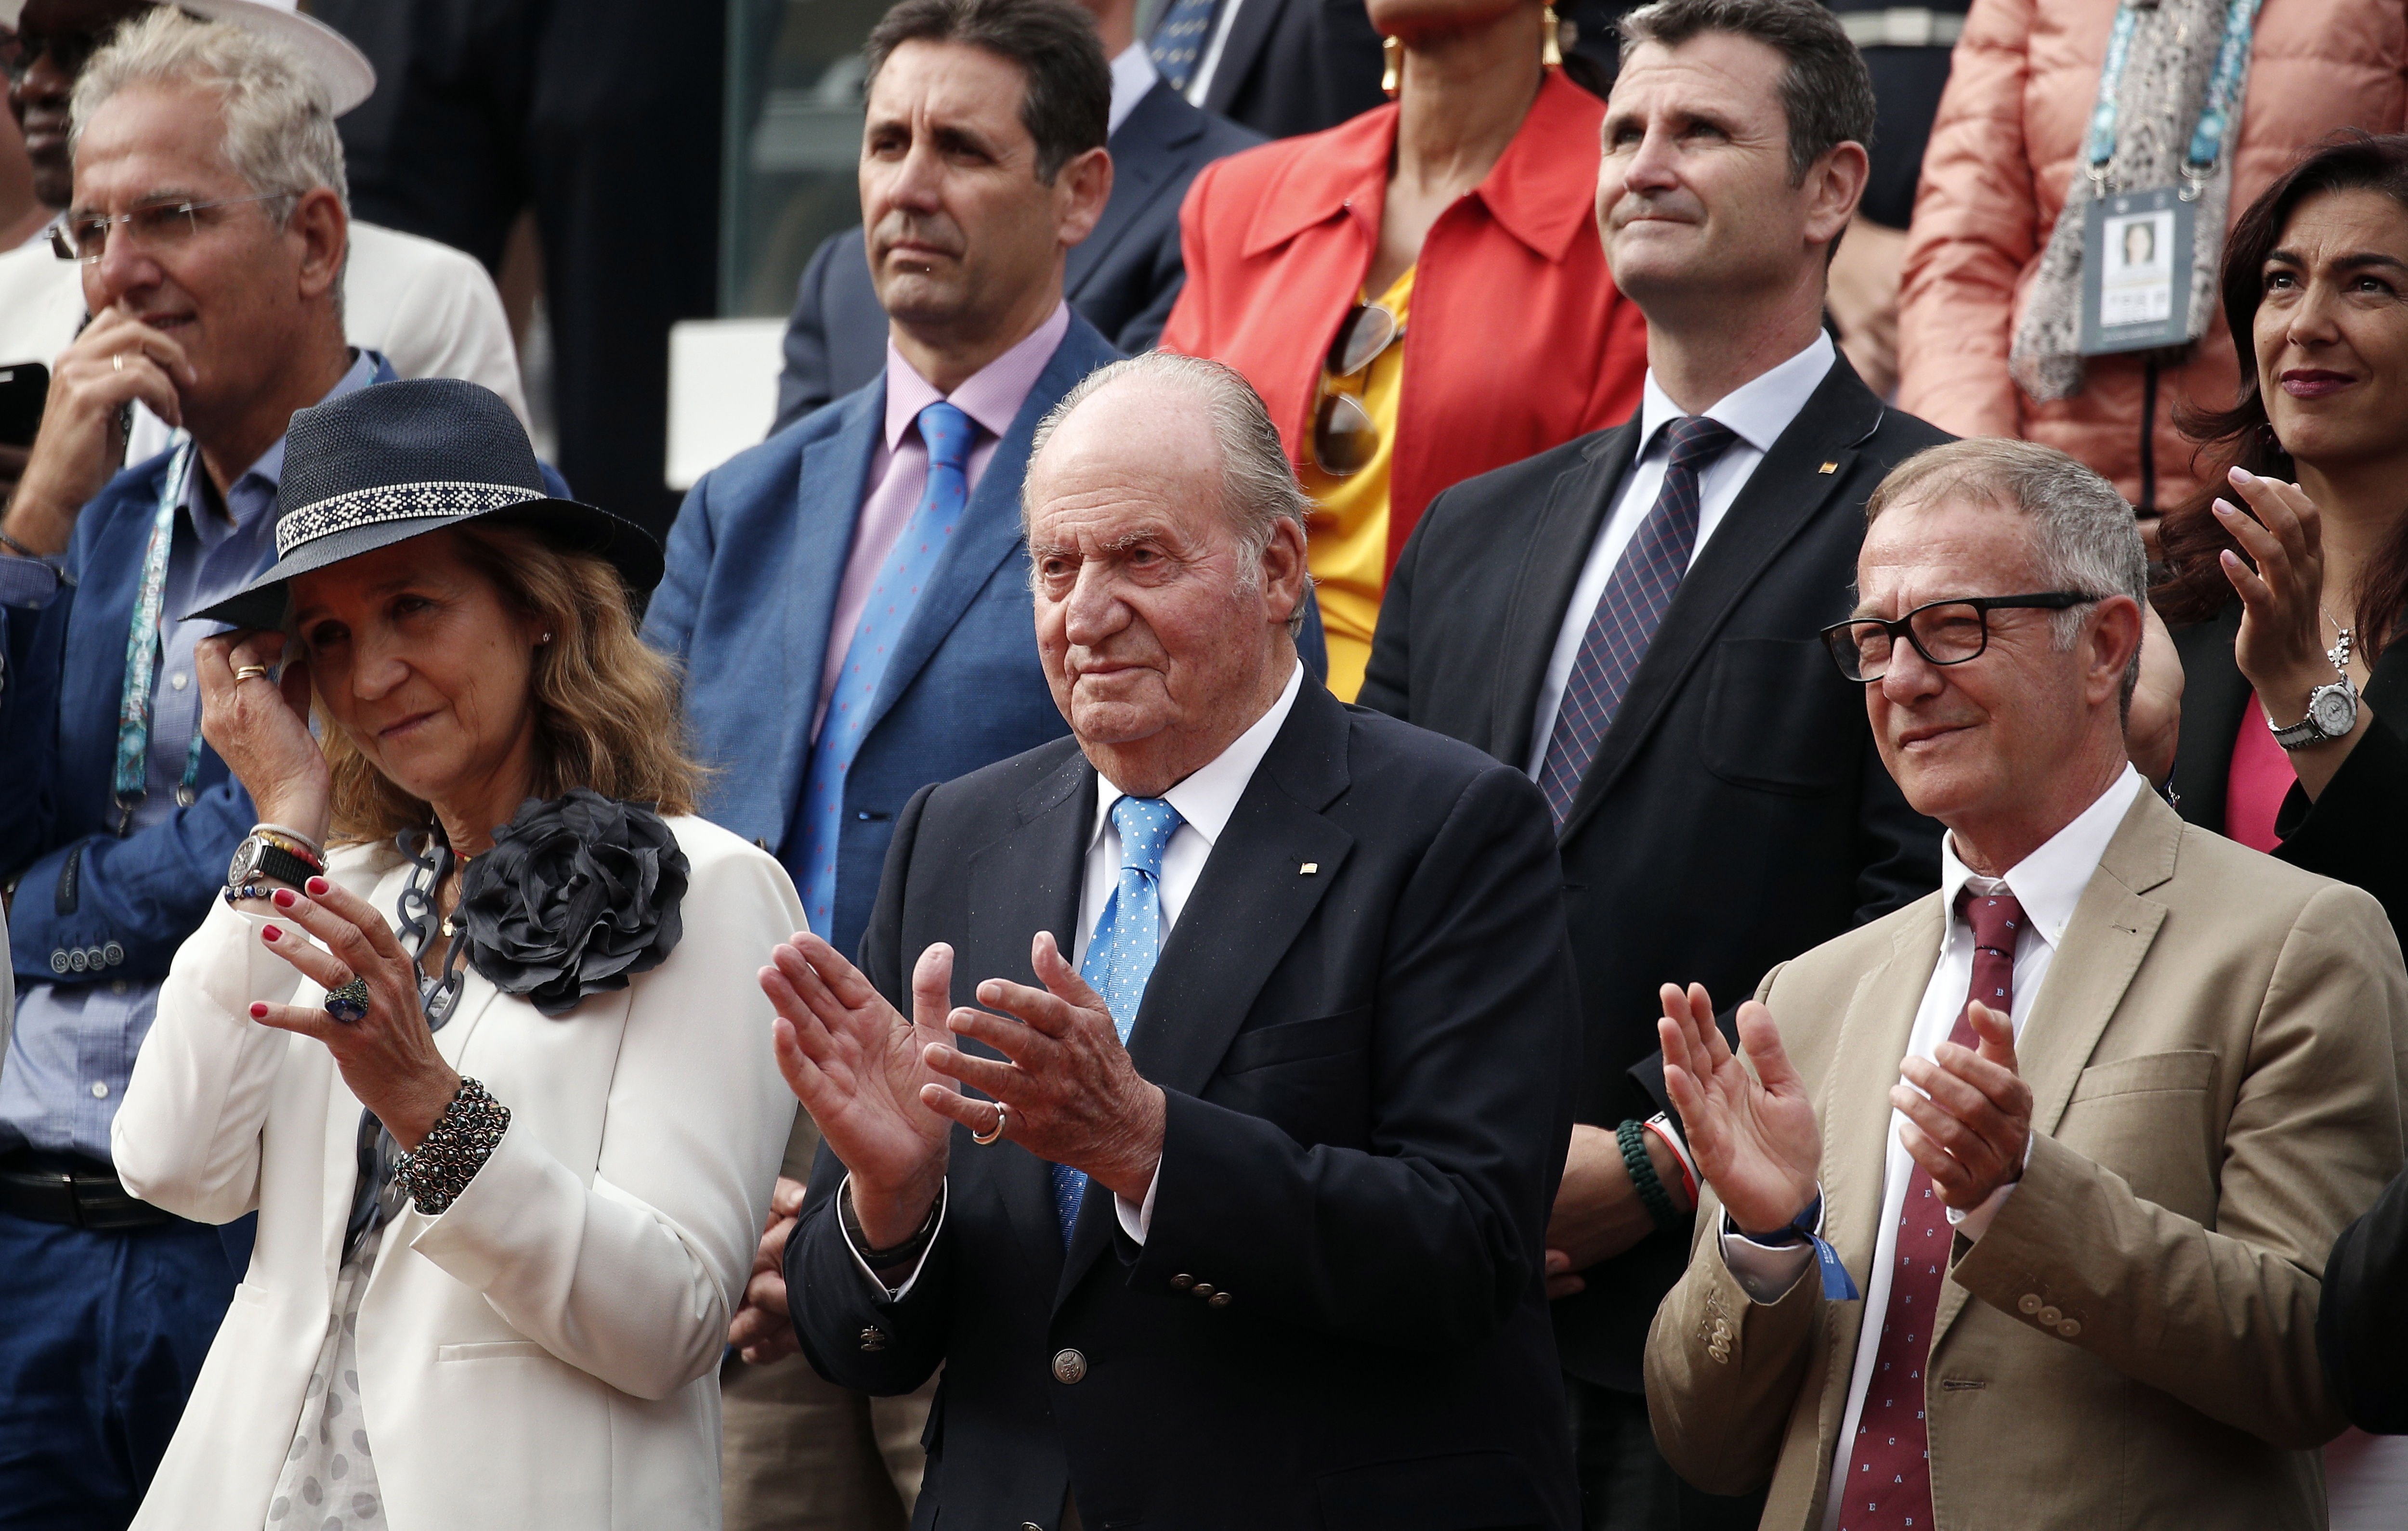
1753,1134
1967,1112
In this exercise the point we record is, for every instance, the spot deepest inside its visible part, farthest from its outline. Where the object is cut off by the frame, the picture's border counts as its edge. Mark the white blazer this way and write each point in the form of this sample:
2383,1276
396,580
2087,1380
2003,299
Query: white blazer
545,1354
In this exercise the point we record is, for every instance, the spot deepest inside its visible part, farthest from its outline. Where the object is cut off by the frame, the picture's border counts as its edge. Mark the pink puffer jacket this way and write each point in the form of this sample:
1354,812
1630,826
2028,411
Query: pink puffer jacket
2003,154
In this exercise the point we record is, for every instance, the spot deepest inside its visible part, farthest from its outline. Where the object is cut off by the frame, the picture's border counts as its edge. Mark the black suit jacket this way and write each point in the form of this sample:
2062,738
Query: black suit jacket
1736,814
1292,66
1122,278
1364,1021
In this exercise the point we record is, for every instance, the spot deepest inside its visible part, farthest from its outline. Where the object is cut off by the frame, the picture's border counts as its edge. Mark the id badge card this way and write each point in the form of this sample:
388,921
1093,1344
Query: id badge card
2136,271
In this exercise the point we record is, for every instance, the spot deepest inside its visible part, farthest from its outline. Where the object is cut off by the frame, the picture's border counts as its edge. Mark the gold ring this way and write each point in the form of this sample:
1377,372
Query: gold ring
1002,1118
117,361
249,672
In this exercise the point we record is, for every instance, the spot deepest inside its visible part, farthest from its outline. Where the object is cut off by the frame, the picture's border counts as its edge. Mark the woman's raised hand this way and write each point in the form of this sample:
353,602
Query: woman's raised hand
2284,636
1753,1134
388,1057
260,726
859,1067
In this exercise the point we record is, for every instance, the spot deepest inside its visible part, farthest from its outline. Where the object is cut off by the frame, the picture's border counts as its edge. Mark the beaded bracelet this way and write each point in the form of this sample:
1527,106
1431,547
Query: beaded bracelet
453,1150
1651,1196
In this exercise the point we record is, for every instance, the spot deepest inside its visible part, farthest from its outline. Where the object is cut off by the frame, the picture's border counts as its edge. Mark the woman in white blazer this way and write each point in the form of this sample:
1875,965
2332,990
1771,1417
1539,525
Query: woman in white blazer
508,1192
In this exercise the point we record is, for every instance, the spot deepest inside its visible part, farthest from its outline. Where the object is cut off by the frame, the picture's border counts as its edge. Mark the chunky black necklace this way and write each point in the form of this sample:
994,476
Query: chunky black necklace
431,860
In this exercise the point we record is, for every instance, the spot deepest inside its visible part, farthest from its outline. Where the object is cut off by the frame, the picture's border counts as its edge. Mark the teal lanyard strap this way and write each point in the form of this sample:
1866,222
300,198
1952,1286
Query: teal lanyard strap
143,642
2214,114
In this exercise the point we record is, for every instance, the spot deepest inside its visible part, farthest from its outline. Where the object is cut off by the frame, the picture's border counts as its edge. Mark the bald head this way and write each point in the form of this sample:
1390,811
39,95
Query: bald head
1166,562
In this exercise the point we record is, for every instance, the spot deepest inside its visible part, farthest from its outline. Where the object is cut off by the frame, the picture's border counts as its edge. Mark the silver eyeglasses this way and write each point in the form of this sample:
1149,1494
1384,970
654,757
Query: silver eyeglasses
161,227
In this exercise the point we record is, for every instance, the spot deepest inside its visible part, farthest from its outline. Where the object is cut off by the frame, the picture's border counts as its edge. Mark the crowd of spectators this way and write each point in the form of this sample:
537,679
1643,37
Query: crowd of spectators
1455,766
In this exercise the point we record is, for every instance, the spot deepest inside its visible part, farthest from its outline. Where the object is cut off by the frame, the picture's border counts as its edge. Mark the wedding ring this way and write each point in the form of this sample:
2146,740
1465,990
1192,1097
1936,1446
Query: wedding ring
349,1003
1002,1118
249,672
117,361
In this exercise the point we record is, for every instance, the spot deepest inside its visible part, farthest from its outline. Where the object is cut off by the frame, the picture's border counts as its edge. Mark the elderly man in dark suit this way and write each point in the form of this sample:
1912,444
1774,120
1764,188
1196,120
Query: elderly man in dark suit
1632,618
1121,277
1224,1207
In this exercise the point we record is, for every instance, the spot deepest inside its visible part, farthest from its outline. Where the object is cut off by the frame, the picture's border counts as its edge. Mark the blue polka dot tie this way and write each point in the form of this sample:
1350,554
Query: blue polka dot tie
949,434
1128,938
1177,43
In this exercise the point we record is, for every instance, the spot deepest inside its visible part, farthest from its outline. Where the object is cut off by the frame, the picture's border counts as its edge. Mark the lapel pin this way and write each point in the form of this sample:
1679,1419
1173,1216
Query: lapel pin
1829,467
1307,868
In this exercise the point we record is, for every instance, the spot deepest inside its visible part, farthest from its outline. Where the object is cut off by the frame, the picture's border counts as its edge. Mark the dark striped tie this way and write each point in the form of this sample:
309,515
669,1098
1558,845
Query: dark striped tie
1629,612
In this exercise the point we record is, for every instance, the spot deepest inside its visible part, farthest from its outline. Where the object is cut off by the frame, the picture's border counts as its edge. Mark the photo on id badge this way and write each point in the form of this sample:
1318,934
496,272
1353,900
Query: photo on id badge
2136,257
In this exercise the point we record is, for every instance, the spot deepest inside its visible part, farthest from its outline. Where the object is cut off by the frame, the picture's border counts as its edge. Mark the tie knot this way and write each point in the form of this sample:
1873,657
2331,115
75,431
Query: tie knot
1696,439
1997,919
1146,825
948,434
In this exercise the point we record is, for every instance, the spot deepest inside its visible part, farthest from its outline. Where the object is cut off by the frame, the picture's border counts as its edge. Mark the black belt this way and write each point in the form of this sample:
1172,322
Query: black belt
71,1188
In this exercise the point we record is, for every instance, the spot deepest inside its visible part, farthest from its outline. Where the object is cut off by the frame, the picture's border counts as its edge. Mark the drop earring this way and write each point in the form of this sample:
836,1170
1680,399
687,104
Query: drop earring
1392,66
1551,50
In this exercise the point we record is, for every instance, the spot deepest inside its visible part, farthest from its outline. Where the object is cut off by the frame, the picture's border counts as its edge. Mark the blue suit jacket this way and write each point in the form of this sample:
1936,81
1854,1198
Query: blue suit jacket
755,561
1122,278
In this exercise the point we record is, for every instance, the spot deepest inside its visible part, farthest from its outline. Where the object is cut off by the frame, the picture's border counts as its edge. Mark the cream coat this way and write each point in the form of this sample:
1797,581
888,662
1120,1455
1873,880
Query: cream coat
2216,1063
545,1354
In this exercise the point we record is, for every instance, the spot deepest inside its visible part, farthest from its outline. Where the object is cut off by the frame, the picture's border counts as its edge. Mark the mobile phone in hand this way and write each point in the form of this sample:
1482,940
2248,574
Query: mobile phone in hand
25,386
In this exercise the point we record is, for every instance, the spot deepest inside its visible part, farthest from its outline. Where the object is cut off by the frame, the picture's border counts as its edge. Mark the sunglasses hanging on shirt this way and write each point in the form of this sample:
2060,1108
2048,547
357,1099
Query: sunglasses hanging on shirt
1344,438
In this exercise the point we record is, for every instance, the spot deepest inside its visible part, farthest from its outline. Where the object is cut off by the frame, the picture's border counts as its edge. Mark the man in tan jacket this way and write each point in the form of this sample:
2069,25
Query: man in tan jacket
2146,1077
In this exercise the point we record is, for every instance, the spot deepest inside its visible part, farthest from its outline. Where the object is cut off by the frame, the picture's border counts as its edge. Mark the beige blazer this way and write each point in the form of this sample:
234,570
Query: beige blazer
2217,1061
545,1354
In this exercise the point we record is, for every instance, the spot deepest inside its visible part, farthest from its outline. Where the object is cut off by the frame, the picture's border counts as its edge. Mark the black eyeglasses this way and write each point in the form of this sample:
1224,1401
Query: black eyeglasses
1942,631
69,52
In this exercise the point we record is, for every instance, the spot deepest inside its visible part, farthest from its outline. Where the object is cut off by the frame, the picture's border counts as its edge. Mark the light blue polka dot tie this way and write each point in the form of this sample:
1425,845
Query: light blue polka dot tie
1128,938
1177,44
949,434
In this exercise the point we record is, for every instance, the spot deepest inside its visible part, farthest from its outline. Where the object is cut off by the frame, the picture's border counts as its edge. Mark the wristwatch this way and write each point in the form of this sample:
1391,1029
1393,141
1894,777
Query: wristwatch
2332,713
258,856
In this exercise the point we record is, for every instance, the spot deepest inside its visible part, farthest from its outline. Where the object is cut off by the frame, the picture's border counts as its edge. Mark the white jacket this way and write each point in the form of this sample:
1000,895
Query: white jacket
545,1354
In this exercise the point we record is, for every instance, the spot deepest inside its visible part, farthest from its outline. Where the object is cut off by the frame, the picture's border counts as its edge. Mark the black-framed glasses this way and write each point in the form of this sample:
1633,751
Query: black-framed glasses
1942,631
69,52
1344,439
161,227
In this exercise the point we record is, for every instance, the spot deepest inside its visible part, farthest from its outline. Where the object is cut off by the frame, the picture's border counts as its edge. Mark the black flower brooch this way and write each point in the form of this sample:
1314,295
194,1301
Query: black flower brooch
577,895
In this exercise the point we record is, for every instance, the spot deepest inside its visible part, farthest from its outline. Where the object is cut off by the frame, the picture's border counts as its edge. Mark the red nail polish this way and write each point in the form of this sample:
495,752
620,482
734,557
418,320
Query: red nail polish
272,933
258,1011
316,886
283,898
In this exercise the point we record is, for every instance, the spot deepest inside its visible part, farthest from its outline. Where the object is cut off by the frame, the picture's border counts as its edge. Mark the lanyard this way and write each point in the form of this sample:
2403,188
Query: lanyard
2214,113
143,643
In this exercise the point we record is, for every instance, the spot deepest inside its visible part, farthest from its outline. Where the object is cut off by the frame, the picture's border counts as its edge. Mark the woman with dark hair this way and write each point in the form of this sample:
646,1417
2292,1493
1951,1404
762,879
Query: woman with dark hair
2288,590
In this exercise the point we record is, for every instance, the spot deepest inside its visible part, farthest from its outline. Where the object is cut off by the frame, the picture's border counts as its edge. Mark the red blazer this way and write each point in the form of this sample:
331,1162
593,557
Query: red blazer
1517,340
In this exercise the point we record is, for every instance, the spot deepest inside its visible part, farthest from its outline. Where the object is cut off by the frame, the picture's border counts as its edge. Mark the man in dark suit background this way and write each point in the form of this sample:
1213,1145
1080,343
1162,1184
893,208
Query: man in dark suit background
1632,618
1283,67
1276,1260
1122,278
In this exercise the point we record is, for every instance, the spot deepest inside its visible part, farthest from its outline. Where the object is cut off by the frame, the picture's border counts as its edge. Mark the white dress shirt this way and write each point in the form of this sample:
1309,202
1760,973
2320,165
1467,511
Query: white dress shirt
1209,64
2048,883
1204,801
1133,75
1757,411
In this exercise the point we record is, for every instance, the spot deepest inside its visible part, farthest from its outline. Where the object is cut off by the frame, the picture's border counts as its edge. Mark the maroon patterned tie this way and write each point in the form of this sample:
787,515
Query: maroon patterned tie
1889,1474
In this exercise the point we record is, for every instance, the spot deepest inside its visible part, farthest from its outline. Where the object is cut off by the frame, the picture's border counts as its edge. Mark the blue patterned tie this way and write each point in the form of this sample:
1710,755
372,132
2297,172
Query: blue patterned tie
1179,41
1629,612
949,434
1128,938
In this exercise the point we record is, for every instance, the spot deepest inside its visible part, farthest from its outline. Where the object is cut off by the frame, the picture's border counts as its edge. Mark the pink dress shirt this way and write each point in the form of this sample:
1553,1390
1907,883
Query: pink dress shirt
898,468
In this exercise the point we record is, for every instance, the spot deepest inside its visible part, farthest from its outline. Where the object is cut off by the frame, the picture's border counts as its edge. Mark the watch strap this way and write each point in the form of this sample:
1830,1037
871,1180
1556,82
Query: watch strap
2308,731
271,860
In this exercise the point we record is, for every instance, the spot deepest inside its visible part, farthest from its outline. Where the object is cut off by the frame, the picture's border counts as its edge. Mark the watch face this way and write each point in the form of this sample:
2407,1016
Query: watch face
237,868
2335,710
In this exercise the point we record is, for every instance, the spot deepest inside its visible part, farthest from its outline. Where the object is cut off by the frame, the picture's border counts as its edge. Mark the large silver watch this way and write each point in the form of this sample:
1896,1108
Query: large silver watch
2332,711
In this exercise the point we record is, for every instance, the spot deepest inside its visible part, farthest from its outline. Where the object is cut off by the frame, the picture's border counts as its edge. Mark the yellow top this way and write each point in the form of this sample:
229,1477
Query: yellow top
1347,534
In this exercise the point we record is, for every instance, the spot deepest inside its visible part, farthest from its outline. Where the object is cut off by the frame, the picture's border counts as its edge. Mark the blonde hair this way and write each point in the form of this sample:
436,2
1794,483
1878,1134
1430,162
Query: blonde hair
606,705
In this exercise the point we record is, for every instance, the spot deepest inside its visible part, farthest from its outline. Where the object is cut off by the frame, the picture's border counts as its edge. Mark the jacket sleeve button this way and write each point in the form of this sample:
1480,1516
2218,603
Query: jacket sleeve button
2069,1328
1205,1289
2048,1317
1182,1282
1218,1300
59,960
2027,1303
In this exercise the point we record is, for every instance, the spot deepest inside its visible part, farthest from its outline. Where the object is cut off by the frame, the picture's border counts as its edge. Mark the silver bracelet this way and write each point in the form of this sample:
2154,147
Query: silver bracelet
453,1150
296,838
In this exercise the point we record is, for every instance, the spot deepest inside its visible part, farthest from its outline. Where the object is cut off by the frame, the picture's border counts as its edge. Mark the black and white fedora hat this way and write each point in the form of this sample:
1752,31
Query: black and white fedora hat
398,460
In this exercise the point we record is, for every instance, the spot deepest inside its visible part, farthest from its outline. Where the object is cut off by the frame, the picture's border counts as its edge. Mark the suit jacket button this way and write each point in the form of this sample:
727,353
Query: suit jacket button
112,954
1182,1282
1218,1300
1030,1525
2048,1317
873,1338
59,960
1205,1289
2069,1328
1068,1366
2028,1303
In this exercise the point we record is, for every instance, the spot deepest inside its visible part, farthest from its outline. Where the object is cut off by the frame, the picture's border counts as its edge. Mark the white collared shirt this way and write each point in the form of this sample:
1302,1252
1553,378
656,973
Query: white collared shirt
1757,411
1204,800
1209,63
1133,75
2049,885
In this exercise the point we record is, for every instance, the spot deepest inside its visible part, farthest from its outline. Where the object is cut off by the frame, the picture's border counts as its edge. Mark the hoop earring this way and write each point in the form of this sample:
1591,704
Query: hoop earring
1551,52
1392,66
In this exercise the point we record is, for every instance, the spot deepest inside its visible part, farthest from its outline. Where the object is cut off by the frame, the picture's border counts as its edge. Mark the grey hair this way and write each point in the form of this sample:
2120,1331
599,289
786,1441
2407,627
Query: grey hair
1258,487
2083,533
279,127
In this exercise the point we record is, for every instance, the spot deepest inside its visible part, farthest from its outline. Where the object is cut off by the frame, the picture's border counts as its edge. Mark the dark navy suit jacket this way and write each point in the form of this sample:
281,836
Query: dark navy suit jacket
1122,278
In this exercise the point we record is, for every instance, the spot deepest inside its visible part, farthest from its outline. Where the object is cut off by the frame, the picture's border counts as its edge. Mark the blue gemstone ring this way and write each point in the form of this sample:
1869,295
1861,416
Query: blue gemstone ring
349,1003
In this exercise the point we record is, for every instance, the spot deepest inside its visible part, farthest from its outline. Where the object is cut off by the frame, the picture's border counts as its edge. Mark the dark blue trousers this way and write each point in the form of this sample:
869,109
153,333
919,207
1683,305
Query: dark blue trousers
102,1336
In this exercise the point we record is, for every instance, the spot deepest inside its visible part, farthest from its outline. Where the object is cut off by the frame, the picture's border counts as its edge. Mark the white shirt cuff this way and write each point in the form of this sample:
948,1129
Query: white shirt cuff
1138,1220
1973,1225
885,1293
1768,1272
